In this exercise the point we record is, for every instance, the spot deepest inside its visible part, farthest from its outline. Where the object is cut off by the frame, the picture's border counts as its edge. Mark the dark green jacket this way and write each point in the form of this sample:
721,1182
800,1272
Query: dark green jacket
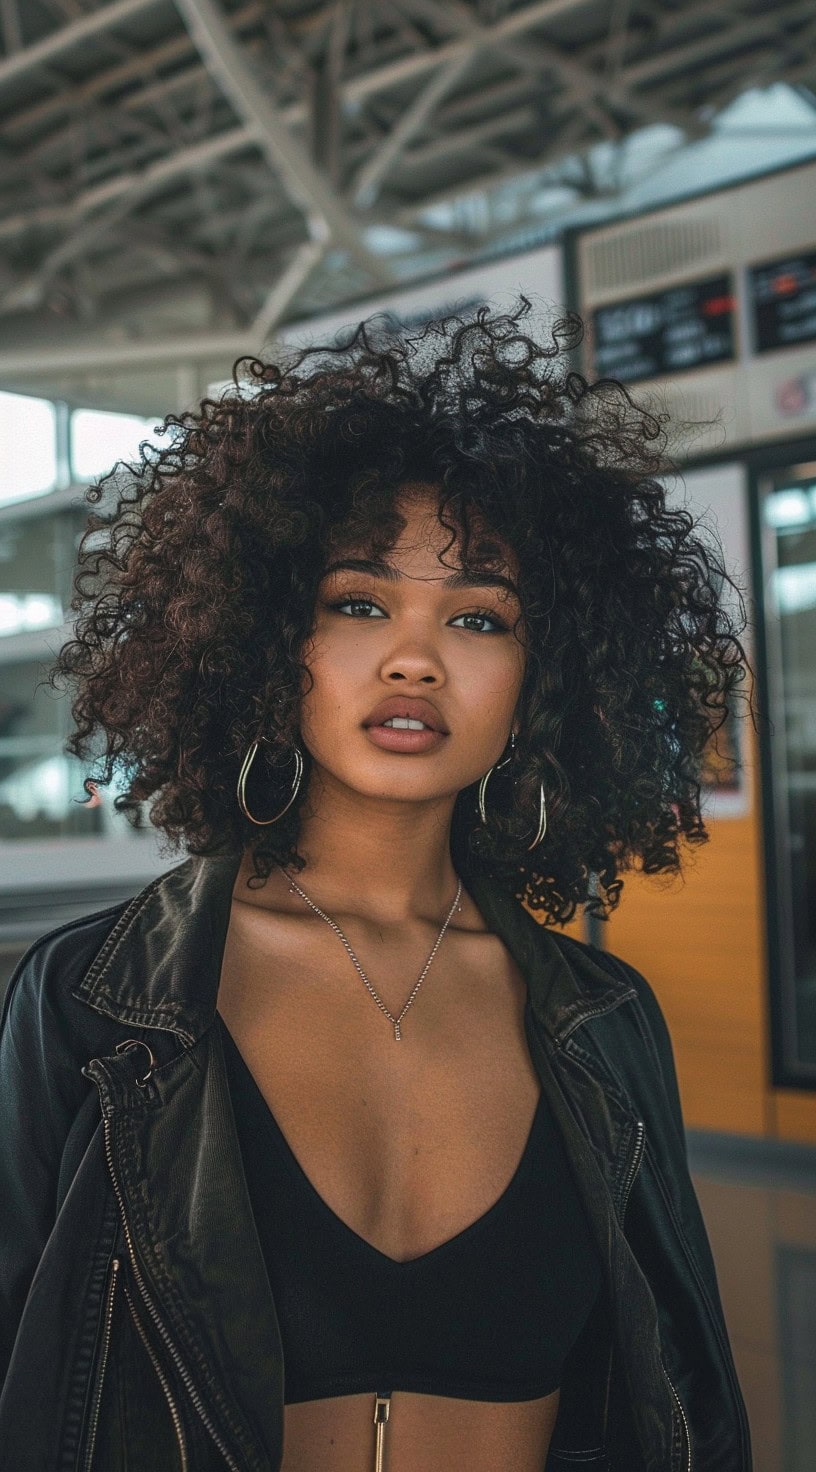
137,1326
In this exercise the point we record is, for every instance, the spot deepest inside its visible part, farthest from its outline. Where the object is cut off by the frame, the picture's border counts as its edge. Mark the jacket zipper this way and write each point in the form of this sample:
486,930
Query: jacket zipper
682,1415
634,1167
704,1294
171,1348
103,1360
162,1381
616,966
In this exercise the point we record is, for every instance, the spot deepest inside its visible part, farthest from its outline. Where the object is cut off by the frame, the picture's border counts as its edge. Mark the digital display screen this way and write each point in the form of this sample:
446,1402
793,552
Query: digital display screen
783,299
671,331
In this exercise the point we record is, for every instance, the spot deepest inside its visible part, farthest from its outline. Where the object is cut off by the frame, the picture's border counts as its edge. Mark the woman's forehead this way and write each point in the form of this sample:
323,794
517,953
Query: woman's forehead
425,538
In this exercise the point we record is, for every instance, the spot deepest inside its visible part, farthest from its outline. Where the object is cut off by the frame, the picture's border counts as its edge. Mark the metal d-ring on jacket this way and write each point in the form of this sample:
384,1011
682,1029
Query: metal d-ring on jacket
138,1332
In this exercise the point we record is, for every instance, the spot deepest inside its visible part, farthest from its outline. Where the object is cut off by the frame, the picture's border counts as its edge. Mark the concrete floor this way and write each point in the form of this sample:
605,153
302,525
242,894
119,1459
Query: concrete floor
759,1205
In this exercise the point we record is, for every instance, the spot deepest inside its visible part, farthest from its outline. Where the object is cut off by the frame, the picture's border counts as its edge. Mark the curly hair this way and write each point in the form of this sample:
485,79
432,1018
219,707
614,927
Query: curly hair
196,593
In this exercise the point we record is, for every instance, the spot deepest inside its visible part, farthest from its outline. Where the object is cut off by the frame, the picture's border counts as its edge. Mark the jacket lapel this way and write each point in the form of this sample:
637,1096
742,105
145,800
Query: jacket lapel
194,1251
161,964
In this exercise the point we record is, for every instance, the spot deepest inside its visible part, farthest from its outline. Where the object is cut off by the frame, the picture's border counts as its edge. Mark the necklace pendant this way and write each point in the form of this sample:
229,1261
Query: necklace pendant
397,1033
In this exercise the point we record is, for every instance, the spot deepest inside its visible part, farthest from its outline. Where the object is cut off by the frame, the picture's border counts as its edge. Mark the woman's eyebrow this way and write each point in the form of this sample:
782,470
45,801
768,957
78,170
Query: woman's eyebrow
377,568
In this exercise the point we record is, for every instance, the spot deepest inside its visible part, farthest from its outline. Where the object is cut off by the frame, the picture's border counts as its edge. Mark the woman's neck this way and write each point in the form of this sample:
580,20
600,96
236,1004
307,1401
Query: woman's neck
385,861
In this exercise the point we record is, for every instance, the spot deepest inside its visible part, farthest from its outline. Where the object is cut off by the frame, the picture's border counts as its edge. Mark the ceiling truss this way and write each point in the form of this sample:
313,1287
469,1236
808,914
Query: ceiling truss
267,160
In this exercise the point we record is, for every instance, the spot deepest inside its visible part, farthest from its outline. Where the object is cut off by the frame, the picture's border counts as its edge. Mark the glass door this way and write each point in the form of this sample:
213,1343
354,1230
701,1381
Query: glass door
787,555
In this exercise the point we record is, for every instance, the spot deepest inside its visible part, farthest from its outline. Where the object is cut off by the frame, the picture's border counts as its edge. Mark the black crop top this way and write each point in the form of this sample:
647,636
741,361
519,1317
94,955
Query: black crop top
490,1314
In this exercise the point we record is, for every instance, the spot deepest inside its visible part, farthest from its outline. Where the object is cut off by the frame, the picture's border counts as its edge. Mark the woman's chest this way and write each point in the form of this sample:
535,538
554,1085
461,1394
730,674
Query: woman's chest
406,1153
408,1142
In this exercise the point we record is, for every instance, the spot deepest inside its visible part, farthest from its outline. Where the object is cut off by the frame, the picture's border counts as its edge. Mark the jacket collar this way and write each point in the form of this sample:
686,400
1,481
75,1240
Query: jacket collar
160,966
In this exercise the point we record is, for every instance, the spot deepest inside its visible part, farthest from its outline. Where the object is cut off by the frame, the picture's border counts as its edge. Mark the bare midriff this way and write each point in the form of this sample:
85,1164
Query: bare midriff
424,1433
385,1133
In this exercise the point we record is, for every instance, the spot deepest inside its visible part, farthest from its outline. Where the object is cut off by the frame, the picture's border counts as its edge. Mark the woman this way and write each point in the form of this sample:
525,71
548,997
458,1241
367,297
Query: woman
322,1152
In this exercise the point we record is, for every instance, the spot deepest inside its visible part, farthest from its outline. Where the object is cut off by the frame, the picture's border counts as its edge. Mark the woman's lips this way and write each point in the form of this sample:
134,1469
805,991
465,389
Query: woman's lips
397,738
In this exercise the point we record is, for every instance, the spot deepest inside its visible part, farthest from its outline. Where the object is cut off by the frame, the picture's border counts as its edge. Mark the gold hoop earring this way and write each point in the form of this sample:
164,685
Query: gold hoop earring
242,781
542,819
542,802
489,773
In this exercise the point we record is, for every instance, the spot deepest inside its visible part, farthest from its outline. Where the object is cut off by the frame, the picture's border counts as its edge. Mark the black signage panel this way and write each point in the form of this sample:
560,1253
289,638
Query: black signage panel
783,300
671,331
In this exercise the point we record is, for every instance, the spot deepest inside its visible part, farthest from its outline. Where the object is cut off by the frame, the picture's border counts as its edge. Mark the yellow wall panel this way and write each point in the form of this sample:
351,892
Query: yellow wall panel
723,1084
698,937
795,1115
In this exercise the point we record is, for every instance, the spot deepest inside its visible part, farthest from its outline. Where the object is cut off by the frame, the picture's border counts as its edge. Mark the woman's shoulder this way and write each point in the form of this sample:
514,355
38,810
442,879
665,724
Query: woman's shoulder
614,966
647,1012
39,992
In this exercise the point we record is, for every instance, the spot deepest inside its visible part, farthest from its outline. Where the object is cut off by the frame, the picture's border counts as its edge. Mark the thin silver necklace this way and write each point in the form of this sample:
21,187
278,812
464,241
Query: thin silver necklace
294,886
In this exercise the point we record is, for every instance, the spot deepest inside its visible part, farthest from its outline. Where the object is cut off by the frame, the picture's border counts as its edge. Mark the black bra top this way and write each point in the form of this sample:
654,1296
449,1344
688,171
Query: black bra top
490,1314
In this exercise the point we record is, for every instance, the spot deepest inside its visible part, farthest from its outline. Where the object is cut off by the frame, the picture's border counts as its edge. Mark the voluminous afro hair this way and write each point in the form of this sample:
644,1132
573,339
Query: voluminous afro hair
195,594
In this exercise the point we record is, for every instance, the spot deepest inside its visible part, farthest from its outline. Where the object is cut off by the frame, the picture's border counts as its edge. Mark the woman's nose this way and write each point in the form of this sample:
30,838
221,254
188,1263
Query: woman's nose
415,661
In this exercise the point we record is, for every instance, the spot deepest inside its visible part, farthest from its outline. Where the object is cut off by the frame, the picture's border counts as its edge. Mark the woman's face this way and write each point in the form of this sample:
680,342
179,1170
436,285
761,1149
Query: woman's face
406,632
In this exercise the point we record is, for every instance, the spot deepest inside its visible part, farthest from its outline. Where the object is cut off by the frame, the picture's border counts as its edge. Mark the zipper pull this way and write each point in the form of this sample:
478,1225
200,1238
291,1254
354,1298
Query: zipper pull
382,1406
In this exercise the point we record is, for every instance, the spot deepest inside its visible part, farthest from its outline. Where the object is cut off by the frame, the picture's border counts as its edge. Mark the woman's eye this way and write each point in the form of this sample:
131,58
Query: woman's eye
353,603
498,626
480,616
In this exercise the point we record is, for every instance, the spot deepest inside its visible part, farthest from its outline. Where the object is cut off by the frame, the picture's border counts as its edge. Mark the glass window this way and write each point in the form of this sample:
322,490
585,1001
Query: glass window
41,792
788,551
37,558
100,438
28,447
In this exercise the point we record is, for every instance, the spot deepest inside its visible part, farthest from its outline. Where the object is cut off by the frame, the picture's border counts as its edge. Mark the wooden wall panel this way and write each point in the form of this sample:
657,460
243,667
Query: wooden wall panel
699,939
794,1114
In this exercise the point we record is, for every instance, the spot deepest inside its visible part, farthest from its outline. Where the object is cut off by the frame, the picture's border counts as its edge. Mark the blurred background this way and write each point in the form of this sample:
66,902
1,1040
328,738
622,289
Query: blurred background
185,181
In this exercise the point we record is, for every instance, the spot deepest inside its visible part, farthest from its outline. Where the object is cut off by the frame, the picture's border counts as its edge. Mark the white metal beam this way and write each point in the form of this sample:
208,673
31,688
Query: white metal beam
12,30
521,55
133,181
288,284
733,36
163,62
75,34
366,185
306,186
91,353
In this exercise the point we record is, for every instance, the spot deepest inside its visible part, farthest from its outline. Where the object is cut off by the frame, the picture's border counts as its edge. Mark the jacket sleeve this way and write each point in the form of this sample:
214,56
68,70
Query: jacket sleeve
658,1038
674,1168
710,1395
42,1091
